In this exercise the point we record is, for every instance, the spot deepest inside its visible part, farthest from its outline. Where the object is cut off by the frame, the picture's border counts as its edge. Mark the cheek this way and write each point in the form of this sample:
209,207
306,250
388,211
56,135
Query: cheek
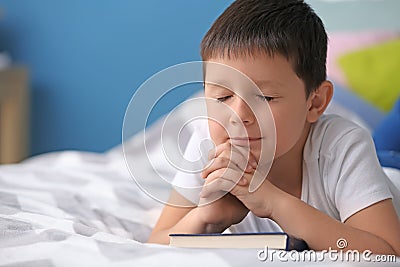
217,132
289,127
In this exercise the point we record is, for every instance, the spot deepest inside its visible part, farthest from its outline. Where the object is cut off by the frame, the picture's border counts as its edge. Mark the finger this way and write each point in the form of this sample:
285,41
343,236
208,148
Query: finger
203,201
222,162
243,151
221,185
213,153
231,175
239,155
247,155
216,186
241,161
226,173
243,181
220,173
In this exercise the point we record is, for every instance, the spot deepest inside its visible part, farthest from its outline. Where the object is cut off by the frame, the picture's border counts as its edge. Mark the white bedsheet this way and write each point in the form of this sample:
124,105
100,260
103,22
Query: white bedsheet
82,209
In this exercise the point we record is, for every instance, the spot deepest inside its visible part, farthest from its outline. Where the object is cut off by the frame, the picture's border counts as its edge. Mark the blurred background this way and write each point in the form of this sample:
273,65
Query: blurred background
78,62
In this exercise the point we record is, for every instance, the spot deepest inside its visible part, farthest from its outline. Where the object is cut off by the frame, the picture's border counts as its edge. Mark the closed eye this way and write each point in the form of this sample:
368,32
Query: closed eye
224,98
265,98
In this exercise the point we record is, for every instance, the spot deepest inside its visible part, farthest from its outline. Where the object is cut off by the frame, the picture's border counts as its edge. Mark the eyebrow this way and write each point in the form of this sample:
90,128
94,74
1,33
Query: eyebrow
261,84
264,83
265,86
258,83
216,84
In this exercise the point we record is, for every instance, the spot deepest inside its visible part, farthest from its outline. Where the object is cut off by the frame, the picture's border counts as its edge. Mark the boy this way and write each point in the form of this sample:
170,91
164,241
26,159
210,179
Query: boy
325,182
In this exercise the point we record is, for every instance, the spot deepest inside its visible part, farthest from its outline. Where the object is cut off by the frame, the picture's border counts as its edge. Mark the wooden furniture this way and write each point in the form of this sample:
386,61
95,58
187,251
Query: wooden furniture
14,115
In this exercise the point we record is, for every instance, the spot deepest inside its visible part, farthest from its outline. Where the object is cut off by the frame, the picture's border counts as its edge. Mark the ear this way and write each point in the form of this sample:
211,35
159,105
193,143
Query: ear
318,101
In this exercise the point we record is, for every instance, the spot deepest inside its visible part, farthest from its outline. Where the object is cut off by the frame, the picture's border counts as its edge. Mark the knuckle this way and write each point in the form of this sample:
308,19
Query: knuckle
220,160
220,148
226,145
225,153
223,161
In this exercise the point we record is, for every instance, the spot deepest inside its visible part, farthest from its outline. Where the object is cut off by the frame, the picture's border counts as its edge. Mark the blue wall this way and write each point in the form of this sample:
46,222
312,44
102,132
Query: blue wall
87,57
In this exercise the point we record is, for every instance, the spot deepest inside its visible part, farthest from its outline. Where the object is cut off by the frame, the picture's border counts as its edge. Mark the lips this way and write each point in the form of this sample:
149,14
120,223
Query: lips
244,141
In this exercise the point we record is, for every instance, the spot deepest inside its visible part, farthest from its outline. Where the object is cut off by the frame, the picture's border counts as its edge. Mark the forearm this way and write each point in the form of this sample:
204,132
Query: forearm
321,231
189,224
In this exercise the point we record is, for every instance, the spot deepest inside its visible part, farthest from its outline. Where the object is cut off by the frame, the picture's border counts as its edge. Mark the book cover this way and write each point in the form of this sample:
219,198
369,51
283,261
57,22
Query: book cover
272,240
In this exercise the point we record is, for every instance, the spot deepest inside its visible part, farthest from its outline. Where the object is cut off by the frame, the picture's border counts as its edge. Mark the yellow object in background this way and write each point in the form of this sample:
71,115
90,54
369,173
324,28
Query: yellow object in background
373,73
14,114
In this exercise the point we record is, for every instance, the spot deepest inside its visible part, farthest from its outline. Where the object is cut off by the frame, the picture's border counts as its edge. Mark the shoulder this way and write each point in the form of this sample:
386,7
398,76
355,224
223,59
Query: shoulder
332,133
335,127
341,159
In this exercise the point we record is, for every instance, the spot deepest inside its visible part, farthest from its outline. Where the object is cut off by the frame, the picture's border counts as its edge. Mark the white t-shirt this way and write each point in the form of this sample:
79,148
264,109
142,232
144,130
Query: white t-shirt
341,173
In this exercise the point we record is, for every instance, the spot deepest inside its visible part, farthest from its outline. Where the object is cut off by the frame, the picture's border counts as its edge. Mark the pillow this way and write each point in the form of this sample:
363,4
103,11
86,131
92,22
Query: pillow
387,134
343,42
372,73
356,109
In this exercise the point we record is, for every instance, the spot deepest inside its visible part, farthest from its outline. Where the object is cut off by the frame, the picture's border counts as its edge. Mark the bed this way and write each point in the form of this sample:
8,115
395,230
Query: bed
75,208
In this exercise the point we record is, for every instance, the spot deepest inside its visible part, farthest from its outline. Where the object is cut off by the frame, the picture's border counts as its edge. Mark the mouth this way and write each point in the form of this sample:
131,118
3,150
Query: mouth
244,141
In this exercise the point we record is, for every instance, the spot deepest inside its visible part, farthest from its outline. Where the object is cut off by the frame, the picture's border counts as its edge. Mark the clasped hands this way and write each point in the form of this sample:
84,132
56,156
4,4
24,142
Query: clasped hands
231,170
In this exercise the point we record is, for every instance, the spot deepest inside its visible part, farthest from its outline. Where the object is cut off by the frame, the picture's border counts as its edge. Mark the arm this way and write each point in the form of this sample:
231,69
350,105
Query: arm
206,218
173,217
211,218
376,228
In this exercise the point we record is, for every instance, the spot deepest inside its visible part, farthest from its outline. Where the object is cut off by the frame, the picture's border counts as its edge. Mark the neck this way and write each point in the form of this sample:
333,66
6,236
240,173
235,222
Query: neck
287,170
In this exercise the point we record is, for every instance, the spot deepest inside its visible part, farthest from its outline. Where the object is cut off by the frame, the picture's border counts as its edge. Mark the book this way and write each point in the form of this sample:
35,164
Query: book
272,240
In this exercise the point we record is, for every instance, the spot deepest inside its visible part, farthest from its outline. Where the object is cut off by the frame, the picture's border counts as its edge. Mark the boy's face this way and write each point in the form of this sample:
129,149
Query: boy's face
279,86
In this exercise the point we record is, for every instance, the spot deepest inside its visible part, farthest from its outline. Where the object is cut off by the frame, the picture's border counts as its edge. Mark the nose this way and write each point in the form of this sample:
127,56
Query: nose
242,113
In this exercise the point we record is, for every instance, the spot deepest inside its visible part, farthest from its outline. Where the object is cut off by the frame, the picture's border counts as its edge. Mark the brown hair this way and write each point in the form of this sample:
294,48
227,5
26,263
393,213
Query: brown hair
288,27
